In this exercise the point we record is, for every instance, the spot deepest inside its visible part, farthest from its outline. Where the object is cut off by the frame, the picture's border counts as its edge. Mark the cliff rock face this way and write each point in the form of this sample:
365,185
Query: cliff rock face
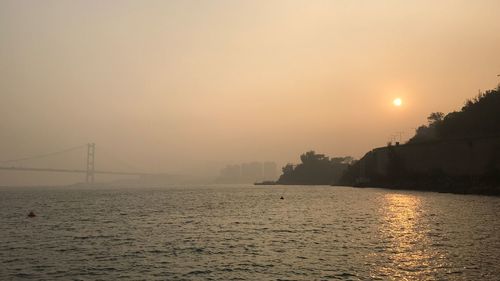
468,165
458,152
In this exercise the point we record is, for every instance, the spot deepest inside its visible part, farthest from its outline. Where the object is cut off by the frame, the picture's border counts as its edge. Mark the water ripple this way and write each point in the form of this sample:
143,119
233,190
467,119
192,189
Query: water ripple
247,233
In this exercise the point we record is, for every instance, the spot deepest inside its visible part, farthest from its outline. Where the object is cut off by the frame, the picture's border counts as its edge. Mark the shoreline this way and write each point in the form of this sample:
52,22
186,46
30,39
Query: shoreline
493,191
450,188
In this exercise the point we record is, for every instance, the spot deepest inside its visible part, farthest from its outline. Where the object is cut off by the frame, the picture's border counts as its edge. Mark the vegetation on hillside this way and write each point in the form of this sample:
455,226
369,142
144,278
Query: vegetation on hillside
479,116
315,169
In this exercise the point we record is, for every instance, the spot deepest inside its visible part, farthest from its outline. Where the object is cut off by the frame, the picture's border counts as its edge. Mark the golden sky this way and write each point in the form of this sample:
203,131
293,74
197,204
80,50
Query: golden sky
171,85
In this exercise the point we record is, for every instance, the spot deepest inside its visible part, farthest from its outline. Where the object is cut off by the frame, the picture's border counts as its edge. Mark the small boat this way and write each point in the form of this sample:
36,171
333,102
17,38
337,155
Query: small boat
31,214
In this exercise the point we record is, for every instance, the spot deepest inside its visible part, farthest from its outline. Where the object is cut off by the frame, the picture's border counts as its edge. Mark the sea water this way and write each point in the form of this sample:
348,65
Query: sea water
244,232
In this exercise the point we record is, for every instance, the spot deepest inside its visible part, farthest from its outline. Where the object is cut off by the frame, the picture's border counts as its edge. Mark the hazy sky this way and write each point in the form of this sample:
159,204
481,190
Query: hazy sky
173,85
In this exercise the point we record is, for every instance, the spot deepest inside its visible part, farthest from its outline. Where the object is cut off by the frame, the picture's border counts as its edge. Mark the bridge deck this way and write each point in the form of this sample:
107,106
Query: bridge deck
73,171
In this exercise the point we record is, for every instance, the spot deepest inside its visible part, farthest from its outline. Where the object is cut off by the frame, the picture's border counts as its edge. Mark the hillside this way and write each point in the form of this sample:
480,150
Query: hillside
479,117
458,152
314,169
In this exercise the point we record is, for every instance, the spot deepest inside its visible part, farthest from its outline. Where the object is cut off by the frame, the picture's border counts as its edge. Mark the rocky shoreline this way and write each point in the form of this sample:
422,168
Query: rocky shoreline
455,185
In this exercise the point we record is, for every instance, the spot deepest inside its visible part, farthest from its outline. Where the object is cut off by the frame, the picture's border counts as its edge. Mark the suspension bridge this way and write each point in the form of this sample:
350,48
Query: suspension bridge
89,170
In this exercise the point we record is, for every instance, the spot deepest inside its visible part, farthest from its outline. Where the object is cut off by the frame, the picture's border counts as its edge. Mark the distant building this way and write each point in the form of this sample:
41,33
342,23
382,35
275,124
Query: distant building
251,171
270,172
248,172
230,174
231,171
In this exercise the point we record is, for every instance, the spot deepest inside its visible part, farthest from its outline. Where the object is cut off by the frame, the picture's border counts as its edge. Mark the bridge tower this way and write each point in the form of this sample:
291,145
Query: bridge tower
90,163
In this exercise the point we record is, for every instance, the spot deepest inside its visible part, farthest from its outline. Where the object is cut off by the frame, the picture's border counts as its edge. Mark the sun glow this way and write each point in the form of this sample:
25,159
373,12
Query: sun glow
397,102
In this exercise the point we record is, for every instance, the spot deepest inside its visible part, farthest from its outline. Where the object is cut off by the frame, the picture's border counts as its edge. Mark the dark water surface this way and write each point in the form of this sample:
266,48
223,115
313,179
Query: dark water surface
247,233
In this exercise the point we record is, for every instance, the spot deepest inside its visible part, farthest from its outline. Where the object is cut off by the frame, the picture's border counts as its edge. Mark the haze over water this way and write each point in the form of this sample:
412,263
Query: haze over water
228,232
184,86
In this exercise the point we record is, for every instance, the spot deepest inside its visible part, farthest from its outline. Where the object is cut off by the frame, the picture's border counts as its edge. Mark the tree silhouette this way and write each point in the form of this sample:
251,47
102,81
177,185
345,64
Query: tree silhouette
315,169
480,116
435,117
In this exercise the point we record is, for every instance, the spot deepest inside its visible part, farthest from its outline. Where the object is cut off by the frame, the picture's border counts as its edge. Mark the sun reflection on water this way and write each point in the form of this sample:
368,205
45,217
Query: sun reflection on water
404,239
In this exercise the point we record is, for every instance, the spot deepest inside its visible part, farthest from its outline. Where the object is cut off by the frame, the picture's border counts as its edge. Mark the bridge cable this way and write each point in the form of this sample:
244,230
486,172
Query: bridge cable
44,155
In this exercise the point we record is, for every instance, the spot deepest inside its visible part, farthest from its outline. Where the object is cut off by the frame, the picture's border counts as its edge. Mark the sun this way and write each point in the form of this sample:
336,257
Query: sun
397,102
